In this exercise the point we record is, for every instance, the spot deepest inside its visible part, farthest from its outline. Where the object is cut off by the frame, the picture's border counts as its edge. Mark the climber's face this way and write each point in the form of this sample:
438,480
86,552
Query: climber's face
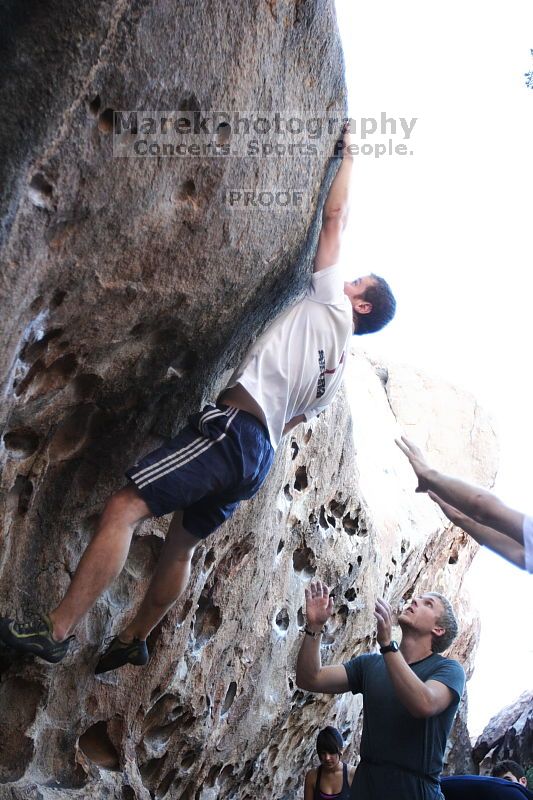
355,291
329,761
510,776
423,614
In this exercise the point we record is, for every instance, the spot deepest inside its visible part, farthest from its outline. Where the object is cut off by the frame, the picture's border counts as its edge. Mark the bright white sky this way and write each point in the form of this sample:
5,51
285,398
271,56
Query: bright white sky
450,229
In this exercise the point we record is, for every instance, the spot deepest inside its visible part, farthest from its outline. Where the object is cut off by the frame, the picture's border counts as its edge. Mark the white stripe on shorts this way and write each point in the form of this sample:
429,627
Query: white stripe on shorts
184,456
195,443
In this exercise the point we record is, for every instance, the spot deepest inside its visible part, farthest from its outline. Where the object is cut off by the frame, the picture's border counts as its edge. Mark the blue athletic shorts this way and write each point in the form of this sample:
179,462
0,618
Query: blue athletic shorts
220,458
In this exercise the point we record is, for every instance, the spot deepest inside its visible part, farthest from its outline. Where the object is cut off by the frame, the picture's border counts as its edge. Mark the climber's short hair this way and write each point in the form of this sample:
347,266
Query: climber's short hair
513,767
448,621
380,295
329,740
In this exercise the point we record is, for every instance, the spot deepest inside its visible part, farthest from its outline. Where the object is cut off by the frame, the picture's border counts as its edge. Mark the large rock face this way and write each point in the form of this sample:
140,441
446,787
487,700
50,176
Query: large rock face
128,289
217,712
509,734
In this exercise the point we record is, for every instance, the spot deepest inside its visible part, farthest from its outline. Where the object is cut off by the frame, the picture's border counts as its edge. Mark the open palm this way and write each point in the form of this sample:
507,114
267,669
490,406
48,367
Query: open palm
318,604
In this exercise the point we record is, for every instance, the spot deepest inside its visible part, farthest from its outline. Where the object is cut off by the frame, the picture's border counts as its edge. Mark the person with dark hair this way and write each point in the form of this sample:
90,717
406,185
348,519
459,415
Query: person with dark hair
290,374
383,303
509,771
505,531
333,778
485,787
410,693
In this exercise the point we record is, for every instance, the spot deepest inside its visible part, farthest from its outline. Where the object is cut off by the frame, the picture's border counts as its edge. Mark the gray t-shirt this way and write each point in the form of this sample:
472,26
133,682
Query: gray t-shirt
401,756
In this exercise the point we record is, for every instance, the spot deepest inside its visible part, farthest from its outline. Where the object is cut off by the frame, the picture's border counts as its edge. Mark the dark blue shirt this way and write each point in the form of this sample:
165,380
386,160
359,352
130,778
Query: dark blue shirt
482,787
397,749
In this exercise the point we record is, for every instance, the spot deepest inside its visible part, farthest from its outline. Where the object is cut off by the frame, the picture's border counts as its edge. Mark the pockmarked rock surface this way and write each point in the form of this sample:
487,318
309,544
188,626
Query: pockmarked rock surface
509,734
217,712
128,288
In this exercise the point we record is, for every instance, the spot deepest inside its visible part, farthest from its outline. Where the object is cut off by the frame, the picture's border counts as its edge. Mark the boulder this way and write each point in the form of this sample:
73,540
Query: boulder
507,735
130,286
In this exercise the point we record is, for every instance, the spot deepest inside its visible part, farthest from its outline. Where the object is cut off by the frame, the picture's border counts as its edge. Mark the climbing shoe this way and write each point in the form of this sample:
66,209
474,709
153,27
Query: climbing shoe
33,637
120,653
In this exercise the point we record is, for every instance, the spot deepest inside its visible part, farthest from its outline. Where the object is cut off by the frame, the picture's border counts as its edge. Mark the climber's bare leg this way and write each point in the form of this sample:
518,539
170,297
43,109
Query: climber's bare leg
102,560
168,581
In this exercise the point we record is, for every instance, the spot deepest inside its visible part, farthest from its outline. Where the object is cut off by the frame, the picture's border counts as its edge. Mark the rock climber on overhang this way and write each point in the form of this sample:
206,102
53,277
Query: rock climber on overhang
290,374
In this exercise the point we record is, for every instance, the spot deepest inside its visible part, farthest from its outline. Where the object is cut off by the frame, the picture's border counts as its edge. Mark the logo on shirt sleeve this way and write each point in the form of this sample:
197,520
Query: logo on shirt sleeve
321,385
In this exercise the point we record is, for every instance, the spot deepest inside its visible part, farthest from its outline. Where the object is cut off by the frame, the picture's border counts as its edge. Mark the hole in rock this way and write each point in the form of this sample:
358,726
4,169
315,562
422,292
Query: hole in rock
19,496
37,304
303,561
300,479
128,793
188,759
160,712
57,298
359,560
184,611
153,636
183,363
295,449
273,753
151,768
105,121
223,134
209,559
225,774
21,442
337,508
454,556
188,102
230,697
383,374
350,594
282,619
287,492
281,545
322,521
342,613
95,104
140,329
74,433
34,349
40,191
212,775
165,784
345,733
307,436
156,694
43,380
19,701
331,521
86,385
300,619
98,747
207,620
158,737
236,557
349,525
187,190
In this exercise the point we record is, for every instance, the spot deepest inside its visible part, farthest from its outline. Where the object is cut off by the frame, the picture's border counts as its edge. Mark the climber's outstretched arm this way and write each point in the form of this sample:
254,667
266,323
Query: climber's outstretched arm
335,213
479,504
498,542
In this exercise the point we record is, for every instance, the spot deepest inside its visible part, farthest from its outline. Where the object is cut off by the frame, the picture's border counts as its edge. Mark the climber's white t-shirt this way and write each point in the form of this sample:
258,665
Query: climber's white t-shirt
296,366
528,542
